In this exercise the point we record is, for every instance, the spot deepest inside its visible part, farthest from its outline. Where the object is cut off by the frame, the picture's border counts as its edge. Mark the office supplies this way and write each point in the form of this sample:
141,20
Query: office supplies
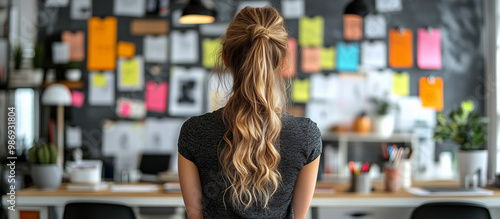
311,31
184,47
347,56
300,90
186,94
101,45
292,8
211,51
429,48
290,63
76,44
131,74
375,26
431,92
133,8
156,96
311,59
328,58
400,48
155,49
401,83
126,49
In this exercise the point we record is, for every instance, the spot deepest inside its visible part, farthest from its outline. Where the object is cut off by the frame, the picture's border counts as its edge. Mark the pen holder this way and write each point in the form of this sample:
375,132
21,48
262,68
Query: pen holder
392,179
362,183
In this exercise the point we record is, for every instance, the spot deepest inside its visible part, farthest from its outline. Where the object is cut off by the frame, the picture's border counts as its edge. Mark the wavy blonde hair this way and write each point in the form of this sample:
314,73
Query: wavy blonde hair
253,50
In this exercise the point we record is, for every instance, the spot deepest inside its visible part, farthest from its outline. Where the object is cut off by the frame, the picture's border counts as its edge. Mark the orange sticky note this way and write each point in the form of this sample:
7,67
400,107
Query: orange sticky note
400,48
353,27
126,49
101,44
431,92
290,63
311,59
75,42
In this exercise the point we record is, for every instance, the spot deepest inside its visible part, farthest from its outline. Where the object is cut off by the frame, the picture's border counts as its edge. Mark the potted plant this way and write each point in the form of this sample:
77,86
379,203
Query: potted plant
383,121
469,131
73,72
18,57
37,71
44,169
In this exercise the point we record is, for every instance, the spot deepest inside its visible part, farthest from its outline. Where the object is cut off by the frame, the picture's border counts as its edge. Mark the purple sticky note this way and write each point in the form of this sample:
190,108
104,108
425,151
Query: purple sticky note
77,98
429,48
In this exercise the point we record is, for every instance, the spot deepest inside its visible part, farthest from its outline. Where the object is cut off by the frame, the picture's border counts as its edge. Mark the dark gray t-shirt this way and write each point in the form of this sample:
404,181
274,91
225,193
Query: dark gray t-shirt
299,144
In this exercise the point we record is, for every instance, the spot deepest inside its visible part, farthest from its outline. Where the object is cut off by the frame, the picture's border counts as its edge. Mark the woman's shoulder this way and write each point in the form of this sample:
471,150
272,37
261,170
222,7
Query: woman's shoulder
205,119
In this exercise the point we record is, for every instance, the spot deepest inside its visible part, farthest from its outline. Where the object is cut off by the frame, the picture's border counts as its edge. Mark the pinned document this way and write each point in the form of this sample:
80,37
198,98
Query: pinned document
290,63
211,50
431,92
126,49
186,94
311,31
429,48
379,83
400,48
300,90
162,134
184,47
311,59
130,108
134,8
401,83
130,74
155,49
353,27
123,140
325,114
156,96
101,44
388,5
292,8
347,57
77,98
101,88
76,44
375,26
60,53
81,9
73,136
328,58
324,87
374,54
353,99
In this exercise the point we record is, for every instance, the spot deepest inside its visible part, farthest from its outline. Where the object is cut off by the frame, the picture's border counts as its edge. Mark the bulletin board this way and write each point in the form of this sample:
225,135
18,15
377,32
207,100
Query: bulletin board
460,23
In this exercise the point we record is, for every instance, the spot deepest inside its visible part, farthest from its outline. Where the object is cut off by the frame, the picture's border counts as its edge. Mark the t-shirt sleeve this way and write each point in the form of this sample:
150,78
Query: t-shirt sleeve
186,144
314,142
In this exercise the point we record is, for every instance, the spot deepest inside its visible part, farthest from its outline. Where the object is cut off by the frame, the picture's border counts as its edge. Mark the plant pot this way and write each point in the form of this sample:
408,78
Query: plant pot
73,74
46,176
470,163
383,125
37,76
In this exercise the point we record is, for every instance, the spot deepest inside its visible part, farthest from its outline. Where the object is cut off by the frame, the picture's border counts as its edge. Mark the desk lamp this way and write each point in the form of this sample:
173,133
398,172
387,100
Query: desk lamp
197,13
60,96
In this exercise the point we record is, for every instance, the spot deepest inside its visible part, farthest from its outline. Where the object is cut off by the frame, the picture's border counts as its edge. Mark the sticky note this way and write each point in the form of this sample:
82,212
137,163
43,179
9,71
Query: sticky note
311,58
101,46
130,75
311,31
156,96
125,109
300,90
328,58
77,98
401,83
126,49
347,57
211,48
76,44
431,92
353,27
400,48
429,48
290,63
99,80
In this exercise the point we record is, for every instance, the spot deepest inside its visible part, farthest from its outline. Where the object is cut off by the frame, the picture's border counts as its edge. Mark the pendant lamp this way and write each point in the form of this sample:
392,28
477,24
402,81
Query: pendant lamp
197,13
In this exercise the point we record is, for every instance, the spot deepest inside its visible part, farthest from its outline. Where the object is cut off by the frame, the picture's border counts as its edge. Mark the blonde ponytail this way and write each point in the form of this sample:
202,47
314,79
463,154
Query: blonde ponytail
253,48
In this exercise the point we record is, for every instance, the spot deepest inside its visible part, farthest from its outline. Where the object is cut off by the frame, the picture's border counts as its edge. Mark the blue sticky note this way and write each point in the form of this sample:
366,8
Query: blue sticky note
347,56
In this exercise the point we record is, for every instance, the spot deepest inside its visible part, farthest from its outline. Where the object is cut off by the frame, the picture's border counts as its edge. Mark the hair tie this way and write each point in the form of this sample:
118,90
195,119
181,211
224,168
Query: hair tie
257,31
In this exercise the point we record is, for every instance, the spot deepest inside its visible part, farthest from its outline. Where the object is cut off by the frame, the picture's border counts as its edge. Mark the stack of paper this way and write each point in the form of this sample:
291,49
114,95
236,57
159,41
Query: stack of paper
134,188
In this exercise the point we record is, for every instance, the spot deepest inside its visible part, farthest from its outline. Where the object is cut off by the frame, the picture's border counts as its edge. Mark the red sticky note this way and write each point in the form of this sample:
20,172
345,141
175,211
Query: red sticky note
156,96
431,92
77,98
126,109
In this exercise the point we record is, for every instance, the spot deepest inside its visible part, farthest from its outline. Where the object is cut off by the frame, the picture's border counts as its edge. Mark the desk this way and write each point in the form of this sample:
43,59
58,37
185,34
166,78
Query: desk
39,199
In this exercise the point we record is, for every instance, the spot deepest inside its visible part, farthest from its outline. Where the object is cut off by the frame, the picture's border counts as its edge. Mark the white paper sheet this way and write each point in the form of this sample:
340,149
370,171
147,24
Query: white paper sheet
60,53
133,8
374,54
176,15
155,49
352,98
255,4
186,94
56,3
325,114
162,135
102,95
375,26
411,112
73,136
379,84
184,47
388,5
123,140
130,108
81,9
215,29
218,91
137,75
324,87
292,8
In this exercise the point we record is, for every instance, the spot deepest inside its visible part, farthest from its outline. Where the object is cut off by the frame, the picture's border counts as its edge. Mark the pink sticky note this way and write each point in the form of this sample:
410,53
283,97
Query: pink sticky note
290,67
429,48
156,96
126,109
311,59
77,98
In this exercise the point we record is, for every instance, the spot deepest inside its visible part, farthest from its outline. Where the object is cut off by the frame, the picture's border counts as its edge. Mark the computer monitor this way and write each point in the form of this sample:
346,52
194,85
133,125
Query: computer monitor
154,163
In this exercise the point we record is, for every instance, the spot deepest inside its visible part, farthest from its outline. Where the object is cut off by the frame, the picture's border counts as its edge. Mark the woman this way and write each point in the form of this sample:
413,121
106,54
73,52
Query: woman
249,159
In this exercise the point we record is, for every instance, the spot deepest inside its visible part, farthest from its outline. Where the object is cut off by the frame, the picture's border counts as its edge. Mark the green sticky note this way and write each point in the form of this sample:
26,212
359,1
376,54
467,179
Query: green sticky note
130,72
211,49
311,31
401,83
328,57
99,80
300,90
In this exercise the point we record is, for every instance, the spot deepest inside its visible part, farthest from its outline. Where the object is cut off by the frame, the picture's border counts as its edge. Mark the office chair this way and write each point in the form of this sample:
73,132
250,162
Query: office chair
85,210
451,210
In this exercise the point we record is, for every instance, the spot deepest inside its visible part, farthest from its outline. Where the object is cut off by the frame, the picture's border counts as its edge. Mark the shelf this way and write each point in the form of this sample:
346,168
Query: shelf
366,137
69,84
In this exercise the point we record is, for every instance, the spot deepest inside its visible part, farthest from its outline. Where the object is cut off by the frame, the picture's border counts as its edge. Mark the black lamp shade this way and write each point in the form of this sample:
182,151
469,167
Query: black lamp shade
357,7
196,13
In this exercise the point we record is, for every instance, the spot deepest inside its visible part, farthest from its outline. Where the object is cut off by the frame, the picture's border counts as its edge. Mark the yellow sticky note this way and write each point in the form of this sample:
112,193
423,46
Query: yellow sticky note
401,83
300,90
328,57
99,80
211,49
311,31
130,72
